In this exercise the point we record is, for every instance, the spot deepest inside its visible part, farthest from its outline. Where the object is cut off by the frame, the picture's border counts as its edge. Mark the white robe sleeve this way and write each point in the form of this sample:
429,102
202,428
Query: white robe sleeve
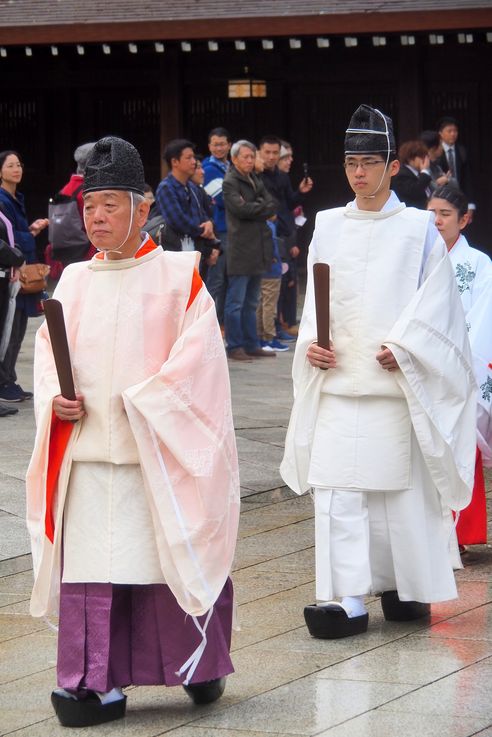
181,419
430,344
308,381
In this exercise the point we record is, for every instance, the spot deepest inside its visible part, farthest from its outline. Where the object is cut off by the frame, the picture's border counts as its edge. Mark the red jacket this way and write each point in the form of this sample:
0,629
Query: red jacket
76,180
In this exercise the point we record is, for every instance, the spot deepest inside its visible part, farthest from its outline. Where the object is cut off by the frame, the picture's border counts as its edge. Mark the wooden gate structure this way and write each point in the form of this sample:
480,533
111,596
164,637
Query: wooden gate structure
71,72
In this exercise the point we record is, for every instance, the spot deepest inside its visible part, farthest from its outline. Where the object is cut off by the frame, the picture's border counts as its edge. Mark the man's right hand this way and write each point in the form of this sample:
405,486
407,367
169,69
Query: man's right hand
70,410
207,229
321,357
213,258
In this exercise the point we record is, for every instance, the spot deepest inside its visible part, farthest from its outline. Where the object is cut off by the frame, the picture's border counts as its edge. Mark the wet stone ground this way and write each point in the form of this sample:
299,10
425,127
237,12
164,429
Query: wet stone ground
428,679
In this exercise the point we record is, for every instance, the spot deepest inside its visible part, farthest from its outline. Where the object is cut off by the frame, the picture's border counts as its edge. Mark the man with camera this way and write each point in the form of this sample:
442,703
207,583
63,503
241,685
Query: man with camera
278,184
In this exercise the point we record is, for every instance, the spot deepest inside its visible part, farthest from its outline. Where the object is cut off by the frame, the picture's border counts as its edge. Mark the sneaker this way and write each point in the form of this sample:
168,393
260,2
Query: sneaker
265,345
276,345
27,395
11,393
261,353
282,335
6,411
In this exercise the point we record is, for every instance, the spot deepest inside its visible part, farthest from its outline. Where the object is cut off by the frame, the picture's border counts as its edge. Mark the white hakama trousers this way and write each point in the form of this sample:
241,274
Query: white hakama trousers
370,541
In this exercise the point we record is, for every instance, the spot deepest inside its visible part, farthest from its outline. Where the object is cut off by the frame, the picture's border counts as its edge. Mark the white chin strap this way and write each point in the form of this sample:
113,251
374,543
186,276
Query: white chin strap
388,147
117,249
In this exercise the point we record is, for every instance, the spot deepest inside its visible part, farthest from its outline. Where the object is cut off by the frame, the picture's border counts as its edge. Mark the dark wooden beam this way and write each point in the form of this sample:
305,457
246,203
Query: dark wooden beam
329,24
171,102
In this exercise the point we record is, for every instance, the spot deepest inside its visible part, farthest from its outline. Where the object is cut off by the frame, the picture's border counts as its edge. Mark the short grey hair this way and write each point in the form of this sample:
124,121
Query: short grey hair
236,147
81,154
137,199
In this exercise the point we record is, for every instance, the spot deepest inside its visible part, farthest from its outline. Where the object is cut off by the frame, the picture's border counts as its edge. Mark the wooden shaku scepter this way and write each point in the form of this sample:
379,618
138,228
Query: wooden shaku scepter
321,274
53,312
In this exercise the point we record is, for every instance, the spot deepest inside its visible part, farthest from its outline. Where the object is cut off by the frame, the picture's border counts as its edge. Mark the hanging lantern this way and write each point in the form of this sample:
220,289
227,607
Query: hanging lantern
246,87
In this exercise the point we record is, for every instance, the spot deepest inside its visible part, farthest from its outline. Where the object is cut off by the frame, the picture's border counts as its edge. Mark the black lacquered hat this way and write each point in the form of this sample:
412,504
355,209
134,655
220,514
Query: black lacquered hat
114,164
369,132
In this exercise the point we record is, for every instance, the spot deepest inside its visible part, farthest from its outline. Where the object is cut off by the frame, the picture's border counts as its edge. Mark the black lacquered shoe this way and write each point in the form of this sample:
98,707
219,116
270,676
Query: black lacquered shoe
331,622
206,692
395,610
85,709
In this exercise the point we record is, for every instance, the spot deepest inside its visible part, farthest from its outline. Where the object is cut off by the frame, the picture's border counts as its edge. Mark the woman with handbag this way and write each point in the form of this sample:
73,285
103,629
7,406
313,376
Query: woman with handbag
12,205
11,258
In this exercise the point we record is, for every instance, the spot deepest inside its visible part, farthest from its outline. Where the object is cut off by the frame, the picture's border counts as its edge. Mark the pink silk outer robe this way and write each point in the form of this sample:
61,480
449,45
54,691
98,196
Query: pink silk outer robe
167,408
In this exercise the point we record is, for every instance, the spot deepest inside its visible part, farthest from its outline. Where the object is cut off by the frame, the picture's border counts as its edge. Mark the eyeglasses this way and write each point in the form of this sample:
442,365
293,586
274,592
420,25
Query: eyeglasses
364,165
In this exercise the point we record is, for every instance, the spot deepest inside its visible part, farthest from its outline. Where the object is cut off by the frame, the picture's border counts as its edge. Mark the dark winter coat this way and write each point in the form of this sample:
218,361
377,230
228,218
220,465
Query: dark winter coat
248,206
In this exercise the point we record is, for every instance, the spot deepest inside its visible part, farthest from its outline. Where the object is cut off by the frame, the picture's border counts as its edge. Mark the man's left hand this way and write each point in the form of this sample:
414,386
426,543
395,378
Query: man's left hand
306,185
386,359
294,252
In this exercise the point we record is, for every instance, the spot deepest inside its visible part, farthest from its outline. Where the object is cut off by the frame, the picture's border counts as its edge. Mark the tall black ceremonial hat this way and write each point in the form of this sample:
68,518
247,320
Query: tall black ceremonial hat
369,132
114,164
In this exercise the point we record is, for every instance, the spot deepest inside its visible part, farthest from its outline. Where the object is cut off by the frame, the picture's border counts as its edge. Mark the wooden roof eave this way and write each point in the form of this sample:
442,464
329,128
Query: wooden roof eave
258,27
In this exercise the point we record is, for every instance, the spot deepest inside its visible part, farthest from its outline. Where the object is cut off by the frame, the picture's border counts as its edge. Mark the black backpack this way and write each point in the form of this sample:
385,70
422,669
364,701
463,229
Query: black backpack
66,231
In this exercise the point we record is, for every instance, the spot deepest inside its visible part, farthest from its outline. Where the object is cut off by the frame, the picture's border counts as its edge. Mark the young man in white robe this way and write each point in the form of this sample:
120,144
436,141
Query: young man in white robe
473,272
382,426
133,486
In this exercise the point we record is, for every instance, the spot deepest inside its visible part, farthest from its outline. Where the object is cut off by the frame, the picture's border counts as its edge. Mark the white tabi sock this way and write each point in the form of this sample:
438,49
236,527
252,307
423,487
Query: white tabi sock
354,606
116,694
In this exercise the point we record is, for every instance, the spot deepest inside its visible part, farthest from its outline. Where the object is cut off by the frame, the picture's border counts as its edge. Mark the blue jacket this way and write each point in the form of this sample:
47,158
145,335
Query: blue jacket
180,206
14,209
215,169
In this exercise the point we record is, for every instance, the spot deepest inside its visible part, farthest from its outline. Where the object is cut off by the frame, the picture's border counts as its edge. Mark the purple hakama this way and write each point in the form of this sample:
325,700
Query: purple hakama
114,635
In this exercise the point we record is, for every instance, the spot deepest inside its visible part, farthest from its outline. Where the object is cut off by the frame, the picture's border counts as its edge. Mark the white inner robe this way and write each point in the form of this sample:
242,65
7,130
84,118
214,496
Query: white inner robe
107,503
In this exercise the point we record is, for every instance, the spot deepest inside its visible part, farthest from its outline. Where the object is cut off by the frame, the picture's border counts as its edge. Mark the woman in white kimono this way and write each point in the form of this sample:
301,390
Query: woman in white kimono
473,270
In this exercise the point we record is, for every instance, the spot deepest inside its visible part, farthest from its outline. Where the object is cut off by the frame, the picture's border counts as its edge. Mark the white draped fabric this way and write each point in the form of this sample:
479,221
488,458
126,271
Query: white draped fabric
428,338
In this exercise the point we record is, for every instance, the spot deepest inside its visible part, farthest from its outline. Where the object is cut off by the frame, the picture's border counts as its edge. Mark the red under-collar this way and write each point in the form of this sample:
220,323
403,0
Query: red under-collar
145,248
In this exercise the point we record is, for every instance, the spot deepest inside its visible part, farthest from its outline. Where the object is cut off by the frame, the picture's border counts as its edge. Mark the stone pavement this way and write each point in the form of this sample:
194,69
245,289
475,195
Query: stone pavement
427,679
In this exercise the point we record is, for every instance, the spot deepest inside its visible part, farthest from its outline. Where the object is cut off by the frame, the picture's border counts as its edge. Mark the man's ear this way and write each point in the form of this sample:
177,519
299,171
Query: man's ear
394,167
142,212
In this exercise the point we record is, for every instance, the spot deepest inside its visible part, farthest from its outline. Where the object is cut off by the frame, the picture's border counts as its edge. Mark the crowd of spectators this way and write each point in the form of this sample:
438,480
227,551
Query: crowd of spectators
238,208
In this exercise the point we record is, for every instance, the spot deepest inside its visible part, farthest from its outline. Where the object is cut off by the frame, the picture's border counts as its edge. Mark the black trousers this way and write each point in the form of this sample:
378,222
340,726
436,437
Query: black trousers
7,366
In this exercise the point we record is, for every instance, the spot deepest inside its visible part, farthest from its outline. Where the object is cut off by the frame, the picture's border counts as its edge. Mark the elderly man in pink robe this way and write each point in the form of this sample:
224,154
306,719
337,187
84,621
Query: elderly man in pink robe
133,487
